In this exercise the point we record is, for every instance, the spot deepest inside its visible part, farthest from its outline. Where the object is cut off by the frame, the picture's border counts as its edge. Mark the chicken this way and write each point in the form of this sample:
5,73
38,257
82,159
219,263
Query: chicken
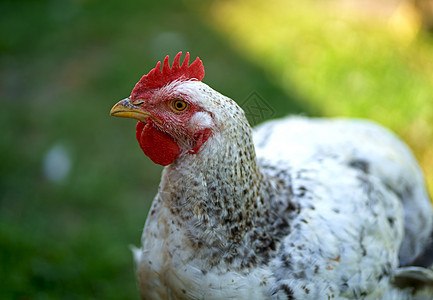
299,208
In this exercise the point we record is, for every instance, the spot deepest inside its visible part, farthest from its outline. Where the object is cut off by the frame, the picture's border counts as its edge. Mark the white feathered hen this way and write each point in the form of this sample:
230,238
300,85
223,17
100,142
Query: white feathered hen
298,209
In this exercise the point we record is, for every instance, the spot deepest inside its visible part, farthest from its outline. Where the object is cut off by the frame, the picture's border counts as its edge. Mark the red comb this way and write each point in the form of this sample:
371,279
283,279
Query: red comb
156,78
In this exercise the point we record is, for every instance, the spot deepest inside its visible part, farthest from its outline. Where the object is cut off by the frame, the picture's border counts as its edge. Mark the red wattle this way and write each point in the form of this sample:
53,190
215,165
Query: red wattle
157,145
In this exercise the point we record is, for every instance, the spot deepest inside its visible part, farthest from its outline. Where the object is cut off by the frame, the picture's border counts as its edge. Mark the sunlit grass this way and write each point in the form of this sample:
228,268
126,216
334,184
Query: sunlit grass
343,63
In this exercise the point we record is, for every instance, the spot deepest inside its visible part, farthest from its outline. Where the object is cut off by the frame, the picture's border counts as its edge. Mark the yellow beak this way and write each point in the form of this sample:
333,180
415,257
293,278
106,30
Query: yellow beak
125,109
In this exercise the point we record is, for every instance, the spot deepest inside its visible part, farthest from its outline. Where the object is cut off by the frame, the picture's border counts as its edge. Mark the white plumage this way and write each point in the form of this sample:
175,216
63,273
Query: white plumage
362,146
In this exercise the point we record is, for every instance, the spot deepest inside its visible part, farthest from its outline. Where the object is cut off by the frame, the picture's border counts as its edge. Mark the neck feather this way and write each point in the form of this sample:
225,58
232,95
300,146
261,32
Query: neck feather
219,185
221,197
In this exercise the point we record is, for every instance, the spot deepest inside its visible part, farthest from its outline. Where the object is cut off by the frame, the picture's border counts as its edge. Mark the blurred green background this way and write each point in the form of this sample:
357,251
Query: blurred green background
75,187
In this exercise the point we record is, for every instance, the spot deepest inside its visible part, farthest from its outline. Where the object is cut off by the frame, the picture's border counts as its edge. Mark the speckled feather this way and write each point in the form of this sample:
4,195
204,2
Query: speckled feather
298,209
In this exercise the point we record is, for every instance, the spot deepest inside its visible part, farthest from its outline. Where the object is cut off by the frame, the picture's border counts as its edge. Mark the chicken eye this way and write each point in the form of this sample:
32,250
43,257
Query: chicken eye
179,105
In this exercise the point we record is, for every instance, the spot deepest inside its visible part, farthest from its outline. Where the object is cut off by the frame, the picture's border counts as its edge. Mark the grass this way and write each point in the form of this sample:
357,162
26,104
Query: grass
341,62
63,64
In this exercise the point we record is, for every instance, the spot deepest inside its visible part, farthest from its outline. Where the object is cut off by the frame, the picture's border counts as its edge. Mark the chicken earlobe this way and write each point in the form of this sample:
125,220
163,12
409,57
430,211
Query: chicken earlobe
200,137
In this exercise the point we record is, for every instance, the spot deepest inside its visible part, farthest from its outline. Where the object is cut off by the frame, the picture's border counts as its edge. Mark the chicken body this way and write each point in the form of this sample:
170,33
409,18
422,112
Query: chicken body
299,209
322,211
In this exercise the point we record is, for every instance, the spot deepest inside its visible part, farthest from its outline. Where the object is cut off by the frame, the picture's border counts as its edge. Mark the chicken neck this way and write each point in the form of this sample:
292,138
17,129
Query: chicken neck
223,201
